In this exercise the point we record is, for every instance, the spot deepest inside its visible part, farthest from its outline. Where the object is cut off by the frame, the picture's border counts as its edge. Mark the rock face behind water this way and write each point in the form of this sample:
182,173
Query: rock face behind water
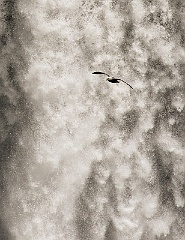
82,159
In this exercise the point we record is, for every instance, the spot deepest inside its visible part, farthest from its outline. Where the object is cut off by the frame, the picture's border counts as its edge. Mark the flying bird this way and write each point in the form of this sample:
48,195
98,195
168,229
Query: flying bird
112,79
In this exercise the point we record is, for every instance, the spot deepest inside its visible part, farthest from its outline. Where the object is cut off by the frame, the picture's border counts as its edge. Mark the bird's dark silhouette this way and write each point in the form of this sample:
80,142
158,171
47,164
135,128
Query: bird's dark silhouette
112,79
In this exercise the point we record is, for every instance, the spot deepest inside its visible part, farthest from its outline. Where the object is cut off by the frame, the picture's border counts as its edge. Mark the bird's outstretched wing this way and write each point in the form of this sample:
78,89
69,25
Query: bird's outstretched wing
101,73
124,82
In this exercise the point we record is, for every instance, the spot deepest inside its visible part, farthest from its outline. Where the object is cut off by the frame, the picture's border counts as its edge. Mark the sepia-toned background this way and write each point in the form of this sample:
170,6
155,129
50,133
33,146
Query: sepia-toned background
81,158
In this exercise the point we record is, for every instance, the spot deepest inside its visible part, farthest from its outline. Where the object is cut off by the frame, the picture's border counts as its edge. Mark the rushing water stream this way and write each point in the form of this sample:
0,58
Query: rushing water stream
81,158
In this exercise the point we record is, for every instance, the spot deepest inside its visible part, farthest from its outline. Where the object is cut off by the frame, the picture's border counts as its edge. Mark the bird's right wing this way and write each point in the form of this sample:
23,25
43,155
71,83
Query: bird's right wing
124,82
100,73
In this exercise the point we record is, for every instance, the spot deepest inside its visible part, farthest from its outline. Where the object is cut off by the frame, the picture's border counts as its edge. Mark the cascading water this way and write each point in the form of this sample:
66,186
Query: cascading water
81,158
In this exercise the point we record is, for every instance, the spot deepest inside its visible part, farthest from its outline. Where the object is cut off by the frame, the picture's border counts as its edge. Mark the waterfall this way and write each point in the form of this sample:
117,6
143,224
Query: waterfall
81,158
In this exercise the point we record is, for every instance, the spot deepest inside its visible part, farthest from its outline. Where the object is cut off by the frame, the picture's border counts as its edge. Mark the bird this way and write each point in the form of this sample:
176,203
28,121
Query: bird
112,79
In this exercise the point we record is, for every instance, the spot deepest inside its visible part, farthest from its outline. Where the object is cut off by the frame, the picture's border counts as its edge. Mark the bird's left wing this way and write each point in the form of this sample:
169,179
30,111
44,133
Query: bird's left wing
100,73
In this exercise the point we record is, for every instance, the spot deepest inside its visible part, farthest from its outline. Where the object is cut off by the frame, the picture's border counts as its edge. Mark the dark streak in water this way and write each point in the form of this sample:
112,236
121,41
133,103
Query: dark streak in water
17,105
164,177
110,233
89,214
4,233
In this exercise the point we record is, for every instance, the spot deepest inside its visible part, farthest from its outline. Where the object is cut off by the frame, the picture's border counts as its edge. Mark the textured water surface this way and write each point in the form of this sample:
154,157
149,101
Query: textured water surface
81,158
